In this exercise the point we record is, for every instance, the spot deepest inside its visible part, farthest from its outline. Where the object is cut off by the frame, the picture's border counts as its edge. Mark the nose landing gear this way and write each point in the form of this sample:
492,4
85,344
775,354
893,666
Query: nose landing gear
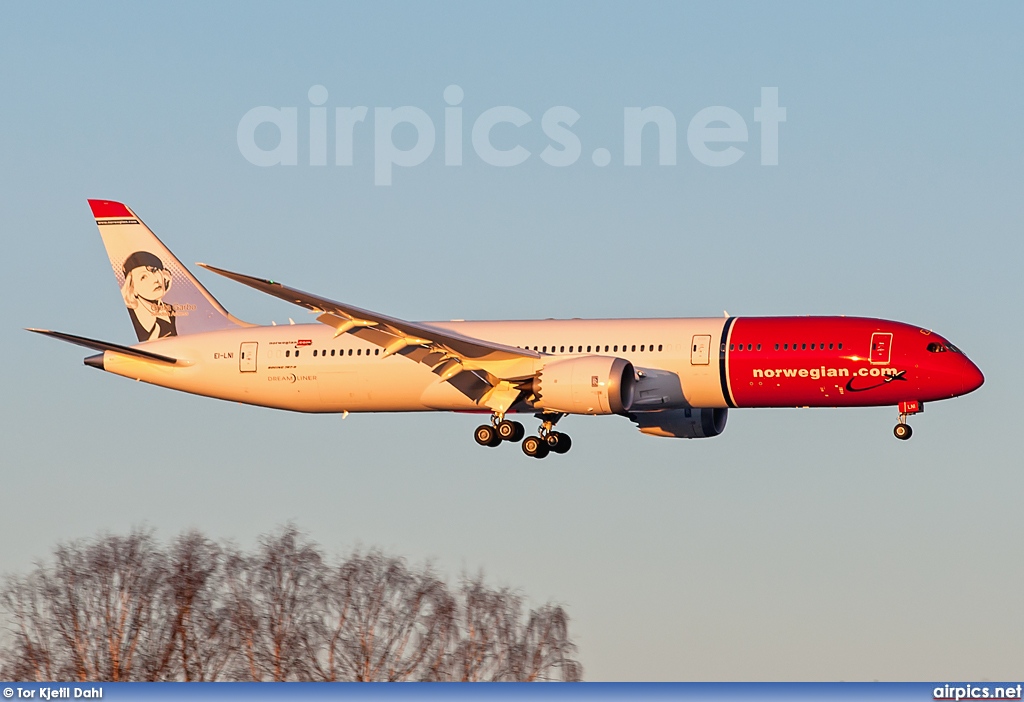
902,430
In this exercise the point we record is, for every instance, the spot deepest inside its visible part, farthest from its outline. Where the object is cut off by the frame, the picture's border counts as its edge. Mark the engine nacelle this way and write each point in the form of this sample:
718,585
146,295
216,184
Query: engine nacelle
585,385
692,423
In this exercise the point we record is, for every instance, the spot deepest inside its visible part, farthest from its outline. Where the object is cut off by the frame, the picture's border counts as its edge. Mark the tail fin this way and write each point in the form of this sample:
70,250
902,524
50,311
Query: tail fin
162,297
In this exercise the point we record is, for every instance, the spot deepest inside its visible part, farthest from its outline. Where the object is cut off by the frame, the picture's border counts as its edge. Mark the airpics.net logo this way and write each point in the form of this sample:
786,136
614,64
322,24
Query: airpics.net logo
715,136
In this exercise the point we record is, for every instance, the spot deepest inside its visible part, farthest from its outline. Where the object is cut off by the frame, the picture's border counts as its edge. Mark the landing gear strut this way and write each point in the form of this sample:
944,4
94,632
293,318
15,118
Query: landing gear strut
902,430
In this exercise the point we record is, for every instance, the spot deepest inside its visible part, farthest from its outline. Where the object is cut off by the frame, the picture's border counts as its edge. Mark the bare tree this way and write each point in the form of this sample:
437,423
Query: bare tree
95,614
32,655
495,644
193,648
119,608
382,622
273,598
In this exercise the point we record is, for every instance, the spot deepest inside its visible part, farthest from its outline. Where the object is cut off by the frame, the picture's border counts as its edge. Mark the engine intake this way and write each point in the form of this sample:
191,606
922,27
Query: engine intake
585,385
691,423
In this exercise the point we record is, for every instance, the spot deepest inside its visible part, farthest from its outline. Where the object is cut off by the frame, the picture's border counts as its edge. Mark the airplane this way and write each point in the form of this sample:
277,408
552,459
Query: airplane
671,377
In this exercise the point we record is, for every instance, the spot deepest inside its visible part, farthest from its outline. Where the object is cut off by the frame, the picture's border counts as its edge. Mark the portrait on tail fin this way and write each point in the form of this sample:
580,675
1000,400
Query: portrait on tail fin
146,281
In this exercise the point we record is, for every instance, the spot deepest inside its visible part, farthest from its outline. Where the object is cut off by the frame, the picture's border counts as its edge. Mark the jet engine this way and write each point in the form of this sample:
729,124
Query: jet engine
689,423
585,385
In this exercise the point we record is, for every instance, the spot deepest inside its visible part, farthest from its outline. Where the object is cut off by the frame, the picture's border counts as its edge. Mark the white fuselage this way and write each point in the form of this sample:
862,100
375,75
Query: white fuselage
304,368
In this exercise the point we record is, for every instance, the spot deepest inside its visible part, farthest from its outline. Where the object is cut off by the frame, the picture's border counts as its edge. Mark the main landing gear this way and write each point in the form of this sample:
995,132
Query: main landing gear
902,430
497,431
547,440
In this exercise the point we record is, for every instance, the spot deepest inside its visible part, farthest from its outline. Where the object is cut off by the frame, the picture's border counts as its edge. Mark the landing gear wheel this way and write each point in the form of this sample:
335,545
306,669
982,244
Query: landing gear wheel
510,431
486,435
903,431
558,442
535,447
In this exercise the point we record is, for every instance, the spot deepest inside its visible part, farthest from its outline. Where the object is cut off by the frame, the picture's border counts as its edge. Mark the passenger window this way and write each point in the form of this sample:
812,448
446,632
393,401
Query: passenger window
634,347
812,347
659,347
561,350
776,347
732,347
288,353
588,349
350,352
830,347
359,352
332,352
804,347
840,346
759,347
296,353
545,349
376,352
641,347
615,348
606,348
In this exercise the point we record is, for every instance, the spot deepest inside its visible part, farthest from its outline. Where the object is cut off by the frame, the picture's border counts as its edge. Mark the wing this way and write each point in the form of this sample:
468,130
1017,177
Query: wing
447,352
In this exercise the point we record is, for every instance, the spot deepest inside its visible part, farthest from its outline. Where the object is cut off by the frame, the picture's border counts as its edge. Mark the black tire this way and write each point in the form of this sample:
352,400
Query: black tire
559,442
903,431
486,436
535,447
510,431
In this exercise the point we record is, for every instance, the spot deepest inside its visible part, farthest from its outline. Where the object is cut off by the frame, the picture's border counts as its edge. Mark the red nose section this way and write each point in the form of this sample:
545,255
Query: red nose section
971,377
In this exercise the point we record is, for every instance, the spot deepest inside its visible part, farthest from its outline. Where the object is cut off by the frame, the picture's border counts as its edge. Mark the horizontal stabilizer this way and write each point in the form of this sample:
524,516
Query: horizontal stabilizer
107,346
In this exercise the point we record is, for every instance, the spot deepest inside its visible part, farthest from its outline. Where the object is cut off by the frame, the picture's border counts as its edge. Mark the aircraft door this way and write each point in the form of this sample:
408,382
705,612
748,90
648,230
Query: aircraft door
700,350
247,357
881,343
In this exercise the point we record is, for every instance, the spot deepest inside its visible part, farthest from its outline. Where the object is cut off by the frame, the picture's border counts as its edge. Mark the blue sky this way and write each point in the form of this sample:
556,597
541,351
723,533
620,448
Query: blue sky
799,545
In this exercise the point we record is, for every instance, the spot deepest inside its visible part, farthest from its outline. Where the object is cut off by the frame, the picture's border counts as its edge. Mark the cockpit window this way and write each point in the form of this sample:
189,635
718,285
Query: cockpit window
952,348
936,347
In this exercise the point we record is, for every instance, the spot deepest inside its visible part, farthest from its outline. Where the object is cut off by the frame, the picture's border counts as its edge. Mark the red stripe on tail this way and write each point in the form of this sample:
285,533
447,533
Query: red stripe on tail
102,209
